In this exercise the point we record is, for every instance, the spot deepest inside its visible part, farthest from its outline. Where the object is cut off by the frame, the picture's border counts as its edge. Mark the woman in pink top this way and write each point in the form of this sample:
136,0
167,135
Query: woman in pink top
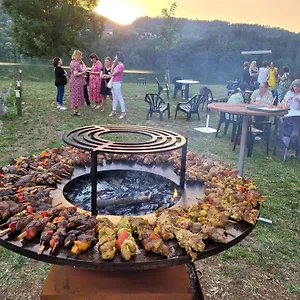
117,75
95,80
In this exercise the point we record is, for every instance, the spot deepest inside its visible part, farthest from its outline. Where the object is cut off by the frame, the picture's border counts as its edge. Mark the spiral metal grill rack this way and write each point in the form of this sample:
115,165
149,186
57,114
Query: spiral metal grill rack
92,138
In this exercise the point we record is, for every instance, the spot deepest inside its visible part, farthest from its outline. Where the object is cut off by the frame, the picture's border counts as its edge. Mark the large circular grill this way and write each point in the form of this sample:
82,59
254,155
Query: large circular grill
92,138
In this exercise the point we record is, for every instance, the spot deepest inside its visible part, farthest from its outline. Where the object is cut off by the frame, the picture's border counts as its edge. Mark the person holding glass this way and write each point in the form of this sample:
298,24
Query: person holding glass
117,75
292,97
105,90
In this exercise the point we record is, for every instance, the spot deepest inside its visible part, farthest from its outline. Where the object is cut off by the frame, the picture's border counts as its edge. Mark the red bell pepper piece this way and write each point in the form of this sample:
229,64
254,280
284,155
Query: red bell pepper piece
123,235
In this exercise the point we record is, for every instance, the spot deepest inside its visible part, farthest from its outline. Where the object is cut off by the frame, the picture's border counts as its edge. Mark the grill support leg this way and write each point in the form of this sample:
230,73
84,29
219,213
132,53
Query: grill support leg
194,281
183,164
94,182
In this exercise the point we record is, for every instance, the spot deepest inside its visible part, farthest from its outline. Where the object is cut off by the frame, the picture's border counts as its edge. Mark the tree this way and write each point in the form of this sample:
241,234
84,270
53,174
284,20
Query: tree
51,27
168,33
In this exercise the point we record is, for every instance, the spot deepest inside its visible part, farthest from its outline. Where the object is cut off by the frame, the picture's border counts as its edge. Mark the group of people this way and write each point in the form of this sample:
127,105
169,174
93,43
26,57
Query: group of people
270,88
91,86
264,96
278,84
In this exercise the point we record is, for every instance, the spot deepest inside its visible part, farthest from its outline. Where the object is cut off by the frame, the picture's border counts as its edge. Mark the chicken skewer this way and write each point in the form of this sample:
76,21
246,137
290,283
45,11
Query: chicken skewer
151,241
106,238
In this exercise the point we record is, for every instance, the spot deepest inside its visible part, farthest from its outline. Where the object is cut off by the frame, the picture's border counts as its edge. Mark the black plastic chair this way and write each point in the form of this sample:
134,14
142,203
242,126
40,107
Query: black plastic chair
157,105
287,135
178,87
253,132
190,107
208,97
228,119
162,88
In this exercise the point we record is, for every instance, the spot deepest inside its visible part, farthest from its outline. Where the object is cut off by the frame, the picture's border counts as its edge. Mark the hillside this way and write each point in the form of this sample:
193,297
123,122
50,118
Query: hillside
207,50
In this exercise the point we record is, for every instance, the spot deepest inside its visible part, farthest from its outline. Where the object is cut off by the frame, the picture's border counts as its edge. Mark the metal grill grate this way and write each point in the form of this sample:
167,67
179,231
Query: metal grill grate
92,138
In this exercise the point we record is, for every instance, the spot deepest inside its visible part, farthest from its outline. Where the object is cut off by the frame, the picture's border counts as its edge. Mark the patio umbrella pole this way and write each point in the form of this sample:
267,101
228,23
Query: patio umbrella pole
206,129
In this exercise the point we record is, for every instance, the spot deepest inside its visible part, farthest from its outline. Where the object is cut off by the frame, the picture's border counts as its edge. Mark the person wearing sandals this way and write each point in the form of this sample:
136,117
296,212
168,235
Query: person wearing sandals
105,90
117,75
76,82
95,81
60,82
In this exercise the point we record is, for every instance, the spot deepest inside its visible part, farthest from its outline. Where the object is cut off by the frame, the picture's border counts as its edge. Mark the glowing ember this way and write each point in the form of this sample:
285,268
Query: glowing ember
175,194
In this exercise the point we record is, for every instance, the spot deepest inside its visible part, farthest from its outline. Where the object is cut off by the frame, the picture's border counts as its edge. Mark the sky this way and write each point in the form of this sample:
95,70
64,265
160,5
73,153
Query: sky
283,14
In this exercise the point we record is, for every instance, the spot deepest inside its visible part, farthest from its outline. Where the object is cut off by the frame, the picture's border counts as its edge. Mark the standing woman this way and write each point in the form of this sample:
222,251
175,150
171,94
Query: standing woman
246,73
117,75
284,83
253,71
104,90
60,82
95,80
273,74
263,73
76,82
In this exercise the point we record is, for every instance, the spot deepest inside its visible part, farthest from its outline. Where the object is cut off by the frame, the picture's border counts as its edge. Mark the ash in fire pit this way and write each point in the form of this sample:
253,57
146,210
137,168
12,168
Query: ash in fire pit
123,192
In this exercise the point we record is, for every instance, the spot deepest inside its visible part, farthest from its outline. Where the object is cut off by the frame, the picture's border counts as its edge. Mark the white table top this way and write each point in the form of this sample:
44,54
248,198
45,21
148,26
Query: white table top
187,81
293,113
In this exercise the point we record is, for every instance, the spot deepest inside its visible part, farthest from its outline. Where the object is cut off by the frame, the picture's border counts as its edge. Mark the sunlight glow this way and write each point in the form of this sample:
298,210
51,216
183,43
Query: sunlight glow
120,11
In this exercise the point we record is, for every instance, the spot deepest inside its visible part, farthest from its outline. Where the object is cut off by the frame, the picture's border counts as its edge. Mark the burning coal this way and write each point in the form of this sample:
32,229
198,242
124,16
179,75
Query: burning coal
124,192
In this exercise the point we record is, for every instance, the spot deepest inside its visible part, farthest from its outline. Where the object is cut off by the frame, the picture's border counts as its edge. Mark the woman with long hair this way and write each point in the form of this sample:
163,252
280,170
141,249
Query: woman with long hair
60,82
253,71
117,75
76,82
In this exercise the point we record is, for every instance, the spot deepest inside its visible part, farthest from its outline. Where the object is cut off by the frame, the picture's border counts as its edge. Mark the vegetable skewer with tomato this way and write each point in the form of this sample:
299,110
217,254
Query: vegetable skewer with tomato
125,242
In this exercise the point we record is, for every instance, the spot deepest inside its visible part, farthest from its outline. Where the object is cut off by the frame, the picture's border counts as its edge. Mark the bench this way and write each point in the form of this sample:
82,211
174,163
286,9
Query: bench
141,81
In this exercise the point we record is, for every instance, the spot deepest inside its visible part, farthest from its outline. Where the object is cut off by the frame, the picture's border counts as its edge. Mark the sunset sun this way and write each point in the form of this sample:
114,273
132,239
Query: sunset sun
120,11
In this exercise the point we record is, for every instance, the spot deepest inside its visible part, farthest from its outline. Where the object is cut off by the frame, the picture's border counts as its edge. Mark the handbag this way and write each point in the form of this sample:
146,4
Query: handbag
110,84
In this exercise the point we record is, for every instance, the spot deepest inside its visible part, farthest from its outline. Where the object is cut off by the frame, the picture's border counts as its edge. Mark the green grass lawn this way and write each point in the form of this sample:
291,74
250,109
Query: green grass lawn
265,265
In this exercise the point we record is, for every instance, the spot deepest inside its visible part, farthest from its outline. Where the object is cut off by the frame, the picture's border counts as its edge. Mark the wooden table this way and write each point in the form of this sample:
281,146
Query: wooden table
242,109
187,83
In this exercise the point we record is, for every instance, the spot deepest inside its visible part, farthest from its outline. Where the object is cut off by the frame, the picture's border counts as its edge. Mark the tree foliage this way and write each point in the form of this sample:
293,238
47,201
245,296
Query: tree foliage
51,27
168,33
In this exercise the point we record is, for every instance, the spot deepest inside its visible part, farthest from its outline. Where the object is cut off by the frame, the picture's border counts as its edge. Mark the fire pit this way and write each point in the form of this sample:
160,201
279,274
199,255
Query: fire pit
92,138
118,189
124,192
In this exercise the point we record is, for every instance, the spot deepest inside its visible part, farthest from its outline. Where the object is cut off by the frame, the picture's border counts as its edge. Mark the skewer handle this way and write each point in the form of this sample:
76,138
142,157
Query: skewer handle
5,231
22,235
265,220
41,249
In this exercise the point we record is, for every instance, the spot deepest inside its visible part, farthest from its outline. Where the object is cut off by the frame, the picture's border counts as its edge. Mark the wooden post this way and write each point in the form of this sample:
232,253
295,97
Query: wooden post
18,102
19,85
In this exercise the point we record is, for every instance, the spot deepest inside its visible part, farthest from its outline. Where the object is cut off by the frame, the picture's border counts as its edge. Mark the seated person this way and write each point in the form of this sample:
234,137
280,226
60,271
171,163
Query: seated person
292,97
238,94
263,95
